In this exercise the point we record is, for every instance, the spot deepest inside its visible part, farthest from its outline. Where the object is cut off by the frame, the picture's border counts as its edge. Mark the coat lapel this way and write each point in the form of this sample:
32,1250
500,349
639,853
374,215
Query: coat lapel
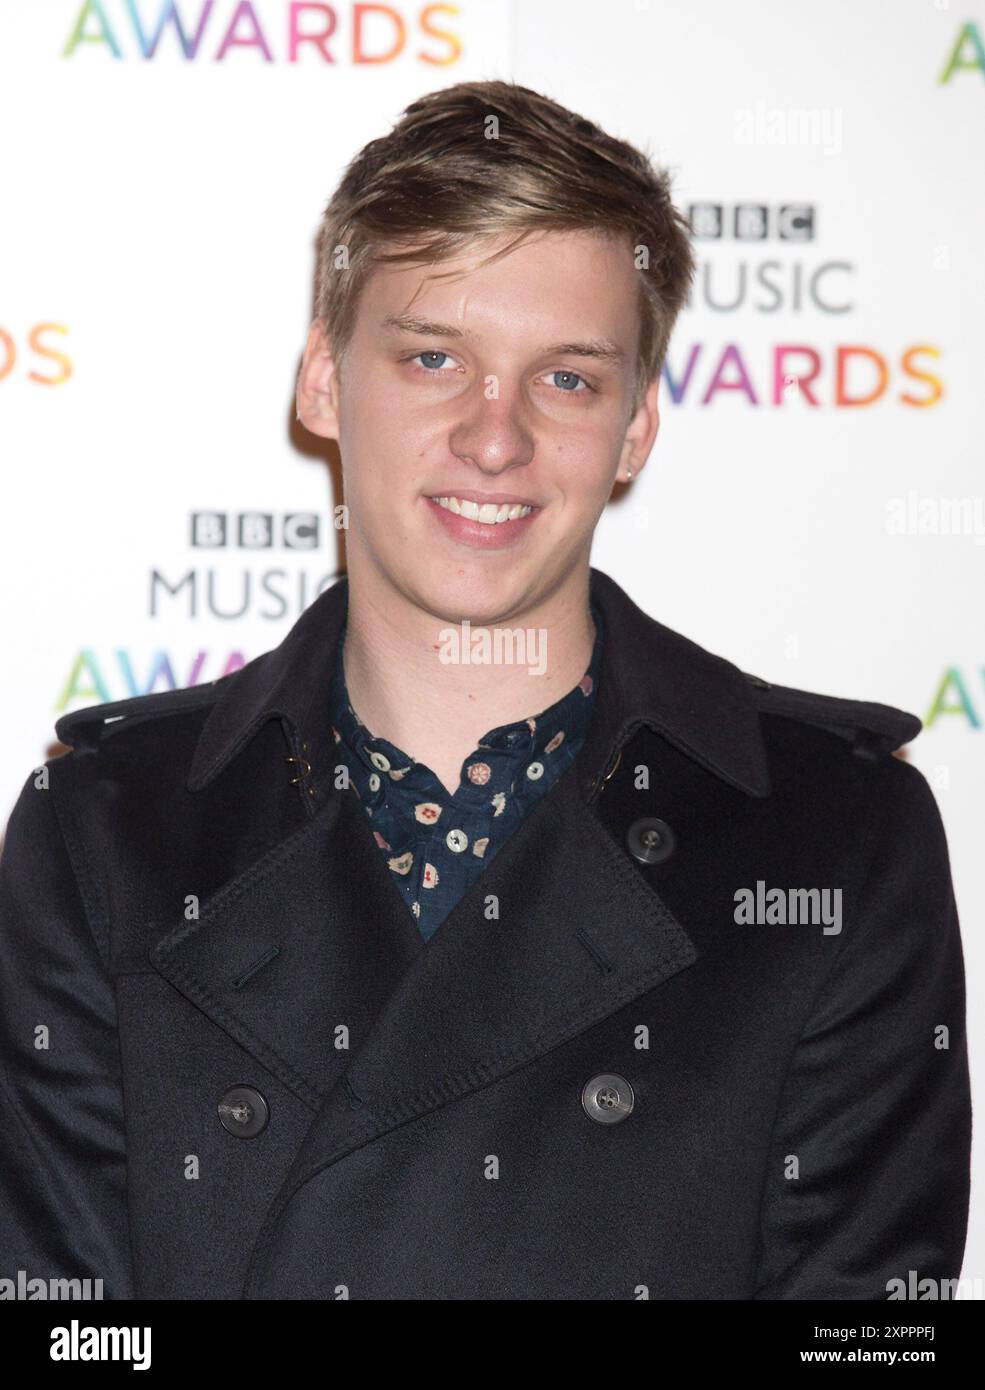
314,937
288,959
578,936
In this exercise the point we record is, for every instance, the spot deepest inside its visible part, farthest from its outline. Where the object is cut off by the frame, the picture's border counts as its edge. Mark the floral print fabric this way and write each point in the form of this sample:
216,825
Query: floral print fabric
436,844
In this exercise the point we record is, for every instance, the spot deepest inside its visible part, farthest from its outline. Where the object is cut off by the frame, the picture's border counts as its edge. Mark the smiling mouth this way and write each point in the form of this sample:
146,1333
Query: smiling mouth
488,513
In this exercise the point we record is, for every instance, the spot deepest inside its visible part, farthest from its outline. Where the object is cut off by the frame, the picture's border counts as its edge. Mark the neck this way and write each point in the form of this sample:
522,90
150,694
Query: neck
437,710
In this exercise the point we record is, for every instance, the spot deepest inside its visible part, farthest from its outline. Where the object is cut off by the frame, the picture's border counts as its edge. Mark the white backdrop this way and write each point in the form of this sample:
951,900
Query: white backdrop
156,256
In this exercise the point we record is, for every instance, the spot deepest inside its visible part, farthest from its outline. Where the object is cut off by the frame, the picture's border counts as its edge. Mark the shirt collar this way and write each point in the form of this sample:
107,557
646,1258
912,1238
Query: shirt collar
649,675
514,743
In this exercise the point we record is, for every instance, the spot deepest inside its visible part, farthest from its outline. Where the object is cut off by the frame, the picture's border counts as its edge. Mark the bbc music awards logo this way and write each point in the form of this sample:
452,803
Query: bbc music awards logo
772,273
289,31
758,259
243,566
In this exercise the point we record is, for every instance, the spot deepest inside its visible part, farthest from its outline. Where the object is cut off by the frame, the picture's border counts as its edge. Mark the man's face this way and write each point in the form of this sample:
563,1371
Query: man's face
507,384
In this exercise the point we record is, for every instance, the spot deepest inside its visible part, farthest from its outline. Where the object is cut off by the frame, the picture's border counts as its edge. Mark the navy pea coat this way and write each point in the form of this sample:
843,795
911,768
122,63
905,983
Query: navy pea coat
232,1069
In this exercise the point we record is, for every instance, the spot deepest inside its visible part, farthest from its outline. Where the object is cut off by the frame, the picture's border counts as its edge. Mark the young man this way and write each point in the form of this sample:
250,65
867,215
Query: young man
382,969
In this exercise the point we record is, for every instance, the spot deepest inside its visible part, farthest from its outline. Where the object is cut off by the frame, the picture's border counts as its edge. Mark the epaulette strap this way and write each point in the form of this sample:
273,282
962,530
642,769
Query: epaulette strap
874,730
93,721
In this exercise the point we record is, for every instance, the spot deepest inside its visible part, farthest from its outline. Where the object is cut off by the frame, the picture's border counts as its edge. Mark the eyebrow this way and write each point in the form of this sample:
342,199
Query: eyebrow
602,349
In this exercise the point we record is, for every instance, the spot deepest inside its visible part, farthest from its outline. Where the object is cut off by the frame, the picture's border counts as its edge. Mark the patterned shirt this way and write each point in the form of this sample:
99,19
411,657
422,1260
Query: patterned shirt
435,843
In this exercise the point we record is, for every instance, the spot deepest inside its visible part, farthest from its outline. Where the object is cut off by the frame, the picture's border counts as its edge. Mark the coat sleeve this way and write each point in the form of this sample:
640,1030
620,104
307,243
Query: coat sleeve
868,1174
63,1212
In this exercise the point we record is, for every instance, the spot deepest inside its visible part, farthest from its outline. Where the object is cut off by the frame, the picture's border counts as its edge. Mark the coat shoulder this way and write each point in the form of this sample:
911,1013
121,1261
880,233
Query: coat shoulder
90,726
873,730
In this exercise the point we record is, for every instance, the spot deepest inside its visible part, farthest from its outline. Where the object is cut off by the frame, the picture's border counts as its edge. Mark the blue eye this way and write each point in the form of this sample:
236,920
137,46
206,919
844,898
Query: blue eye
571,377
428,365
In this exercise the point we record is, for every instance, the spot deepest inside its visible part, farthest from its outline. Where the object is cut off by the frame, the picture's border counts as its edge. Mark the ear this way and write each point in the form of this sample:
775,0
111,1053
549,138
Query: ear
641,434
317,388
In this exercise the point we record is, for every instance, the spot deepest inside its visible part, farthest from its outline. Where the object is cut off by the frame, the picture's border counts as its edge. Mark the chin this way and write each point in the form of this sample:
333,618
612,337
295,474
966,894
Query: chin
455,591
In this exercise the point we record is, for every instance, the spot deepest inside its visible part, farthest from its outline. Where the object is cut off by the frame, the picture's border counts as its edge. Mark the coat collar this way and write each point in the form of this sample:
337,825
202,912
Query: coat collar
650,675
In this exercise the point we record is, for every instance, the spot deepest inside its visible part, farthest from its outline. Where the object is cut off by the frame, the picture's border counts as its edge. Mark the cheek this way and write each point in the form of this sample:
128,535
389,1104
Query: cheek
367,435
585,466
381,424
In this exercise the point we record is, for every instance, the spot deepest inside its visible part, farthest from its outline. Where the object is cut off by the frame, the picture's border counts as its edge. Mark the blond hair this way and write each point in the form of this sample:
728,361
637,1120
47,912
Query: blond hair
492,158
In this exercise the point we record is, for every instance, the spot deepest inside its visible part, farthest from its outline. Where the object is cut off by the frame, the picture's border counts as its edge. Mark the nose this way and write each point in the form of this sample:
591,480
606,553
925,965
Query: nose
493,435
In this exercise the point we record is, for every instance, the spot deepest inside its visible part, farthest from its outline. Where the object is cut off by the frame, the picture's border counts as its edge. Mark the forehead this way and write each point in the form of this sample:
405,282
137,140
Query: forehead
562,284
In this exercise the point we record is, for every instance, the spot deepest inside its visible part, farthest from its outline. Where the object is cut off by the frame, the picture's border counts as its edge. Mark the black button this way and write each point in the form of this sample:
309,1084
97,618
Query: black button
649,840
244,1111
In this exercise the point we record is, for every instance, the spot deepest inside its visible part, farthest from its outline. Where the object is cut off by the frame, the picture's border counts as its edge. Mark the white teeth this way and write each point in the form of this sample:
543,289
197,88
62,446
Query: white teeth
490,514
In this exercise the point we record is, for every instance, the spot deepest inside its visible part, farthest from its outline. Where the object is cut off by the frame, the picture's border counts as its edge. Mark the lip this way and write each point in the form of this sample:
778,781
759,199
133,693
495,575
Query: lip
477,534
